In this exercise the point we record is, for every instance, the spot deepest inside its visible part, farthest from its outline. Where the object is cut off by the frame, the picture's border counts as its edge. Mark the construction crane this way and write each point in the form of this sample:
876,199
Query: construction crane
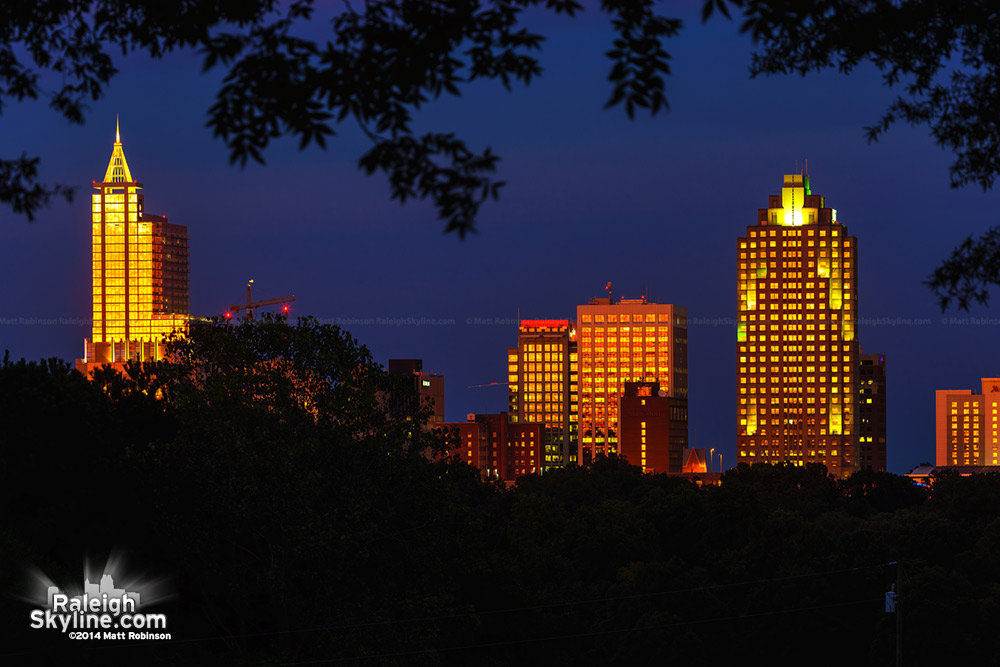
250,304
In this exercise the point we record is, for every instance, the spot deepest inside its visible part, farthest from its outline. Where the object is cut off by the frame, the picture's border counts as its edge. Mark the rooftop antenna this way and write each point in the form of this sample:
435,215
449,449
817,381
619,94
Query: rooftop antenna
806,172
608,287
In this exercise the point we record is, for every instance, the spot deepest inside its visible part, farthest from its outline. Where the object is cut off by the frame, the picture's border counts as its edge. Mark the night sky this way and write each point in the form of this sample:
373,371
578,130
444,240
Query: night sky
654,204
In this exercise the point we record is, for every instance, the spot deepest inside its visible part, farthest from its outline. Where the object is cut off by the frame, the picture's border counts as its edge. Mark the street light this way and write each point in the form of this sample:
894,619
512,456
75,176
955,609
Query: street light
711,453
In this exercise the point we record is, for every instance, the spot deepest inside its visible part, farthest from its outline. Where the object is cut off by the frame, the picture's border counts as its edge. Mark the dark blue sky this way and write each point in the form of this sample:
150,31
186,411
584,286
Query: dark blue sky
591,198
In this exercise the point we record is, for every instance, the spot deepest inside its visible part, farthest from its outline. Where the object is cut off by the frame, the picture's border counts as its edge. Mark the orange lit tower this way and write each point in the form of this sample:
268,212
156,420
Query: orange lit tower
630,340
797,351
140,272
542,385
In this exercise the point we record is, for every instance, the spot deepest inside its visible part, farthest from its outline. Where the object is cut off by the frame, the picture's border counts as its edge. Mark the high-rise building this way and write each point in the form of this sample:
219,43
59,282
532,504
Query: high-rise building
140,272
630,340
967,430
429,388
797,349
871,413
653,428
542,385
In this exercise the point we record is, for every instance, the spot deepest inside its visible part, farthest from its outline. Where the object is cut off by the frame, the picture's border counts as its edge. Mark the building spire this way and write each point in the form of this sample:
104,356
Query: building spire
118,171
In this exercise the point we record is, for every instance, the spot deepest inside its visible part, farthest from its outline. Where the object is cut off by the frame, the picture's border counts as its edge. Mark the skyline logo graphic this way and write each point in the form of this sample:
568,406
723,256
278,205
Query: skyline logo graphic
101,610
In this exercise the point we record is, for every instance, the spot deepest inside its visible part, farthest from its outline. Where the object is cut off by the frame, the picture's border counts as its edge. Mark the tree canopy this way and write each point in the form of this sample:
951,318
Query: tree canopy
301,522
384,61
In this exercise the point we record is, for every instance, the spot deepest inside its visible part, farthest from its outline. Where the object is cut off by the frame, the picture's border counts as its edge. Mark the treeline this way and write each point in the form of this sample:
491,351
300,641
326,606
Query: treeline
302,522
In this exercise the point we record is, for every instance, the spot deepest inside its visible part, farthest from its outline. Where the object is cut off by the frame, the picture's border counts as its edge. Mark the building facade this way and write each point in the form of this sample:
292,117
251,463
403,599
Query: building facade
630,340
429,389
871,412
139,272
653,427
542,386
967,431
798,356
498,448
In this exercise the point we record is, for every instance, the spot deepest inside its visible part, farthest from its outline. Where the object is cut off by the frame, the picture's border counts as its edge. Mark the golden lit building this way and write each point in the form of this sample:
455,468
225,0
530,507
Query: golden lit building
967,430
542,385
797,350
630,340
140,272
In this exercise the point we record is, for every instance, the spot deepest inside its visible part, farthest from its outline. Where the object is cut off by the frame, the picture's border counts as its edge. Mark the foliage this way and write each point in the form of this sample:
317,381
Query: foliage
378,67
303,524
944,57
381,65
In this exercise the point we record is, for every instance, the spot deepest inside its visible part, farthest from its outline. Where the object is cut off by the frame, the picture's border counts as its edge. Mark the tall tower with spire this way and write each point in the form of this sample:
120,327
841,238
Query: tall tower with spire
798,356
139,272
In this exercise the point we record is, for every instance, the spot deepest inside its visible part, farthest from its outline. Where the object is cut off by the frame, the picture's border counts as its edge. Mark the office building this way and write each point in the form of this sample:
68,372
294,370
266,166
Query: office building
542,385
966,423
629,340
871,413
139,272
429,389
498,448
653,427
798,357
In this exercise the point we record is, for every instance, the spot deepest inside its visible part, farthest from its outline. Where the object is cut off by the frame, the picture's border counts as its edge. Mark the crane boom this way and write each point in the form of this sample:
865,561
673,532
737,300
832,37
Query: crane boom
256,304
250,305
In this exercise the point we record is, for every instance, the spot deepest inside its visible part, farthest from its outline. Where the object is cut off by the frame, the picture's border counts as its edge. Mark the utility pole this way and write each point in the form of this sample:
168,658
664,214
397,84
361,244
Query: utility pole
893,606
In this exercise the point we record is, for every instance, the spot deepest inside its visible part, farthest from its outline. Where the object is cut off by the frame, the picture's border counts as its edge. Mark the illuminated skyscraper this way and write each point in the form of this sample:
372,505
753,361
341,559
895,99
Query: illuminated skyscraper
797,351
140,272
630,340
542,385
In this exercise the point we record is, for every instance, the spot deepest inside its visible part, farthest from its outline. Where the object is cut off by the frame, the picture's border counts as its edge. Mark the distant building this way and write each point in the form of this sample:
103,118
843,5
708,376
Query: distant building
139,273
797,349
694,461
967,430
871,413
630,340
653,427
924,475
498,448
429,388
542,385
473,443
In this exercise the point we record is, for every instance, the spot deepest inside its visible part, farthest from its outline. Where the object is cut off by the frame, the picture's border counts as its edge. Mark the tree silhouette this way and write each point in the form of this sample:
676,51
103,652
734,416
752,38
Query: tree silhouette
944,57
378,66
382,63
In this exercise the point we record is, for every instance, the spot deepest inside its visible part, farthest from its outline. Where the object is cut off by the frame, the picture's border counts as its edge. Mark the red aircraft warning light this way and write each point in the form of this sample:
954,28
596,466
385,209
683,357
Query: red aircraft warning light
251,305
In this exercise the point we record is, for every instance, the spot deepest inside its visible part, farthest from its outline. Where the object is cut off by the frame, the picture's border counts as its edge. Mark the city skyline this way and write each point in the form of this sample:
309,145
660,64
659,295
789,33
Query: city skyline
591,198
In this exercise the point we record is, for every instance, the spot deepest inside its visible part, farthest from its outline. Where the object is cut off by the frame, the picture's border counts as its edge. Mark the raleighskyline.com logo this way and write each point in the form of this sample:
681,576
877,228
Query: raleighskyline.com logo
101,612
